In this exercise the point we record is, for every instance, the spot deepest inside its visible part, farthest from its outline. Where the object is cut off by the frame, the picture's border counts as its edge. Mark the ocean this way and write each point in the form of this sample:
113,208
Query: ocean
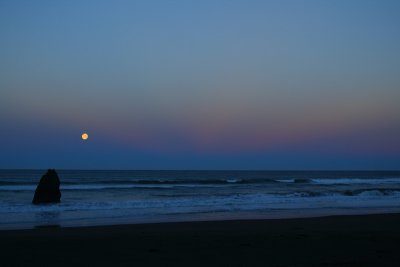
119,197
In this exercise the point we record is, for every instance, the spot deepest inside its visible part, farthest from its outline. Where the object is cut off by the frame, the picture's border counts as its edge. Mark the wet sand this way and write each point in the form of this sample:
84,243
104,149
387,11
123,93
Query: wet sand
361,240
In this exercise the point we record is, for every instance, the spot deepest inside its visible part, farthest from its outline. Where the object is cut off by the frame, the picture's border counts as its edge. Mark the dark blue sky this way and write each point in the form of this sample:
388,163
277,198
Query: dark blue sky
200,84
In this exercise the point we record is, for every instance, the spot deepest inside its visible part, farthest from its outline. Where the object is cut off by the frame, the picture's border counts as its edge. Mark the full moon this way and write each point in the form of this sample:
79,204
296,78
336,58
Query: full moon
85,136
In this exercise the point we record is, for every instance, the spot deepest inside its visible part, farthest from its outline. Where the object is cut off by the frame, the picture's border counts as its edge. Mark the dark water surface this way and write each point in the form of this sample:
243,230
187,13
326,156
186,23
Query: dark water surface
112,197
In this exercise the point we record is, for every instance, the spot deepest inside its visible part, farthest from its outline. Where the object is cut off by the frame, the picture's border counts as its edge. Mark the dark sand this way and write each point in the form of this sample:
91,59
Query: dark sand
366,240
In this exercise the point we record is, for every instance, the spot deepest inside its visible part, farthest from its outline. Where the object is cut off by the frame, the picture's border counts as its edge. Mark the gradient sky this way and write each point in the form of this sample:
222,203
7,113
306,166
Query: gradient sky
200,84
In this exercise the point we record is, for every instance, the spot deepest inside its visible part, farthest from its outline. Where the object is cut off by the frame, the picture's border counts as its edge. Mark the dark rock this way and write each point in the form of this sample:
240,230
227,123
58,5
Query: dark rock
48,189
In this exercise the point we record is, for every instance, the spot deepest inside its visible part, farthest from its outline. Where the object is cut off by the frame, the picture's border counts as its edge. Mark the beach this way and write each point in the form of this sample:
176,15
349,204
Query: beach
356,240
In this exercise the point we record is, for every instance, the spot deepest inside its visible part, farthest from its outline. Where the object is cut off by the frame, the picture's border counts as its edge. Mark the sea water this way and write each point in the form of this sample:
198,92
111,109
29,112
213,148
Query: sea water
118,197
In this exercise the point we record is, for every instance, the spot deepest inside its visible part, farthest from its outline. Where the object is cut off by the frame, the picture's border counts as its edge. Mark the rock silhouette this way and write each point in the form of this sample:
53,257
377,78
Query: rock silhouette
48,189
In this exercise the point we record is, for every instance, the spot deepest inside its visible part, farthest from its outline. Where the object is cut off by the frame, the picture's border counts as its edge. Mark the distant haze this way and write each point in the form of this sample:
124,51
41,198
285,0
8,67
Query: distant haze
200,84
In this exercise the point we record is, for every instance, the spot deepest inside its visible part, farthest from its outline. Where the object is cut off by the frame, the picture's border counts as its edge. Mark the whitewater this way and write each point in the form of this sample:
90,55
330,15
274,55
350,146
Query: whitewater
116,197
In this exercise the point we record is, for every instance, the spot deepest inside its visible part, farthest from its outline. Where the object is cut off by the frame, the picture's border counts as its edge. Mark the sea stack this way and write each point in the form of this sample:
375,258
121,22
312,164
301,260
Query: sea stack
48,189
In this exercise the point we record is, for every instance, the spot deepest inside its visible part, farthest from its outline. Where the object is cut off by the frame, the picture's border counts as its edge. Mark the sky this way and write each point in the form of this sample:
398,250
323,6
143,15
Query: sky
271,85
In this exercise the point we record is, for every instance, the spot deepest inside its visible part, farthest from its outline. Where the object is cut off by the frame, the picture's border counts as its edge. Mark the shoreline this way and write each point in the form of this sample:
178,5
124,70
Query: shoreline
195,217
343,240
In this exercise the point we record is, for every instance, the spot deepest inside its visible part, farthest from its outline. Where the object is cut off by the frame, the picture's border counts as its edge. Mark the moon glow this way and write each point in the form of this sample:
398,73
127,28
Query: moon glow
85,136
